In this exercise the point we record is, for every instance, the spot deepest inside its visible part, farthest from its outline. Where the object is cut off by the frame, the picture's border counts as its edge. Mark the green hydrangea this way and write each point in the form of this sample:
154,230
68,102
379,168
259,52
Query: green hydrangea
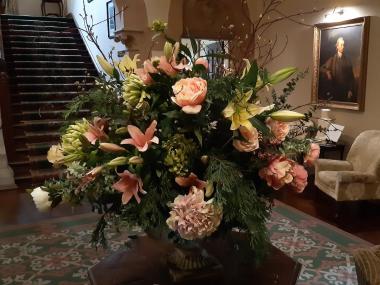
180,154
133,93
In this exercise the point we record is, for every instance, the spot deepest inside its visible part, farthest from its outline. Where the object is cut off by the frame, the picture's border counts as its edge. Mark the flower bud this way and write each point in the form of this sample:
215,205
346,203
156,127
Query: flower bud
202,61
121,131
111,147
107,67
136,160
209,190
118,161
286,116
168,50
281,75
205,159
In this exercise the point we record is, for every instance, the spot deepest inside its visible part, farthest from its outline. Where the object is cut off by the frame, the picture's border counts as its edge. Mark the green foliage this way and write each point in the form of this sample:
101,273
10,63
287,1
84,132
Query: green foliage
280,101
242,206
102,100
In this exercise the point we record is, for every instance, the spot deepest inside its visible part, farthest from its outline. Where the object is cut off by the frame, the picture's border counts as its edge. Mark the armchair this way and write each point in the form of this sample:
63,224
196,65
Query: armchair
357,178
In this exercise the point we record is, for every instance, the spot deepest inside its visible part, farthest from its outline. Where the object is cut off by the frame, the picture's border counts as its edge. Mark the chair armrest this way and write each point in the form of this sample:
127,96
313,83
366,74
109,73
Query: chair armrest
332,165
355,177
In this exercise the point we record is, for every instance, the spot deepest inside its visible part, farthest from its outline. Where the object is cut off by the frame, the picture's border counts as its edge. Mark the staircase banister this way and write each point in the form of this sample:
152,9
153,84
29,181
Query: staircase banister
5,104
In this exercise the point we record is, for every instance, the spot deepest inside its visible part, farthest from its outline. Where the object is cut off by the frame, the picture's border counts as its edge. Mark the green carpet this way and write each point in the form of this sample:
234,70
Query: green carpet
57,251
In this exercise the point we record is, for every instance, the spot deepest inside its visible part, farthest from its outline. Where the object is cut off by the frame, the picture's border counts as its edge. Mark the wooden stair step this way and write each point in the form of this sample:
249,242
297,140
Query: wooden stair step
27,103
42,44
39,122
54,71
38,134
12,26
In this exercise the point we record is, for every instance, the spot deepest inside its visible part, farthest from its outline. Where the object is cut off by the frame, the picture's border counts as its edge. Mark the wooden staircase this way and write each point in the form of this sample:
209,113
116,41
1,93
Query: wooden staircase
45,57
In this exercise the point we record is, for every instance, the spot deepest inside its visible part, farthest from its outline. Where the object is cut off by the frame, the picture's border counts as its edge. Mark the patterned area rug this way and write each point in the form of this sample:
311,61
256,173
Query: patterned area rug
323,250
58,252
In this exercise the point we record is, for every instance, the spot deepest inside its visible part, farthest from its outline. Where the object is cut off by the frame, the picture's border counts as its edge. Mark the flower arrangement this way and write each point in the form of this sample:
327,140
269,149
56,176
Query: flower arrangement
170,146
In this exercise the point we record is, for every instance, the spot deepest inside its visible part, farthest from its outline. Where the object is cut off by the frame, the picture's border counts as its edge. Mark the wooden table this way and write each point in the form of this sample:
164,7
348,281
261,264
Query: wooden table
144,264
332,147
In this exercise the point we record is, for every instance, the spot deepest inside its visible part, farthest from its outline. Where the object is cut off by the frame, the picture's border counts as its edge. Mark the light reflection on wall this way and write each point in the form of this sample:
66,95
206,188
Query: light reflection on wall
339,14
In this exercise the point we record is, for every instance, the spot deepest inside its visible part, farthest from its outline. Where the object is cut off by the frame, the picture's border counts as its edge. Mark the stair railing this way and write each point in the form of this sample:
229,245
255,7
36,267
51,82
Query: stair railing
5,105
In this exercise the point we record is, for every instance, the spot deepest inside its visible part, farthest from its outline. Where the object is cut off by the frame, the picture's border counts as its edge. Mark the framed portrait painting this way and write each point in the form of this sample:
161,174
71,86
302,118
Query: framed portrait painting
340,63
111,19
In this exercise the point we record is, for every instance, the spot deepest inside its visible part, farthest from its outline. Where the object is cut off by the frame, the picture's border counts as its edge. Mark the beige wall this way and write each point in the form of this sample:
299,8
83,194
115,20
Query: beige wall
299,53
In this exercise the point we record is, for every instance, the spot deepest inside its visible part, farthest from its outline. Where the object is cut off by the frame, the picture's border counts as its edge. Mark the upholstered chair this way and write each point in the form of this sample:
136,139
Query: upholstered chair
357,178
367,262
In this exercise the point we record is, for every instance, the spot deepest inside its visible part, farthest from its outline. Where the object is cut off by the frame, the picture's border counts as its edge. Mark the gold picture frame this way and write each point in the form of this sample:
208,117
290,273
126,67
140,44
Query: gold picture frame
340,64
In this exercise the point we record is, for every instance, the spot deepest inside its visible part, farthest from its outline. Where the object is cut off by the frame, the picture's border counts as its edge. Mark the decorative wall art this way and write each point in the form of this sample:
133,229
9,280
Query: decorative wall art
340,63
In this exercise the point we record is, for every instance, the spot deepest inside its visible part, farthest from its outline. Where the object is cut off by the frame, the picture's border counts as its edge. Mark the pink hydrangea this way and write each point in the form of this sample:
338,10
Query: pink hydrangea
193,217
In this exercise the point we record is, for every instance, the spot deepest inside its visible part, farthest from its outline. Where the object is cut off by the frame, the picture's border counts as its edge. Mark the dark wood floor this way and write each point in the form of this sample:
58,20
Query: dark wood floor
361,219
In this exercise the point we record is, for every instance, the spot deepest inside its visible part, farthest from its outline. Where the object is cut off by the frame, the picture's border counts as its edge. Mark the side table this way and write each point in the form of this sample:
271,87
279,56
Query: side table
144,264
329,147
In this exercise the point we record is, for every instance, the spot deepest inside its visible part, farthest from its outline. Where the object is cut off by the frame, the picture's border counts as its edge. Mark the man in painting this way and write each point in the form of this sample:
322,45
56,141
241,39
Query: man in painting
339,75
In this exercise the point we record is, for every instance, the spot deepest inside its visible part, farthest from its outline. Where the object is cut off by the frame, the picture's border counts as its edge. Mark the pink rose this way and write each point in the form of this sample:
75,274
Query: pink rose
202,61
189,94
299,178
251,142
312,155
278,172
166,67
279,129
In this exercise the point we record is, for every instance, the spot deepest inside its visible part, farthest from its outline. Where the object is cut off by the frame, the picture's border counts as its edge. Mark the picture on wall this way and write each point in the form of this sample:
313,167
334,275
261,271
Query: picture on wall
111,19
340,63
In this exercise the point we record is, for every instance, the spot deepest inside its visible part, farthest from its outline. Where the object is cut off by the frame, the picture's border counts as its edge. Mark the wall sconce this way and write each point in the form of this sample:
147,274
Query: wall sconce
337,11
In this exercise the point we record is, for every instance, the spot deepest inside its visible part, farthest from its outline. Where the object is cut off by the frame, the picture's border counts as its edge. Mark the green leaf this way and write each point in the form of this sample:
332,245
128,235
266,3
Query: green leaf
260,126
250,78
194,46
116,74
173,114
198,134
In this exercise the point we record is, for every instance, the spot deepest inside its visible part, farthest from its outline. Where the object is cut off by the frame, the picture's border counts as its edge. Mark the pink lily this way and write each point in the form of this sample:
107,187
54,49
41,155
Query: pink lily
139,140
191,180
130,185
144,73
166,67
96,131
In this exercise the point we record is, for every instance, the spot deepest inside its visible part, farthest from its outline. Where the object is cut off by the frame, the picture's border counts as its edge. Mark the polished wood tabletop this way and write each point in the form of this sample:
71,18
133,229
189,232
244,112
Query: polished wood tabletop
145,263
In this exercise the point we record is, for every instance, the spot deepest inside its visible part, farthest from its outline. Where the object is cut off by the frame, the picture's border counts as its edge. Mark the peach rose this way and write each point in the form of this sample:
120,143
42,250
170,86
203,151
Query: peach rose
251,142
189,94
279,129
202,61
278,172
166,67
312,155
299,178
